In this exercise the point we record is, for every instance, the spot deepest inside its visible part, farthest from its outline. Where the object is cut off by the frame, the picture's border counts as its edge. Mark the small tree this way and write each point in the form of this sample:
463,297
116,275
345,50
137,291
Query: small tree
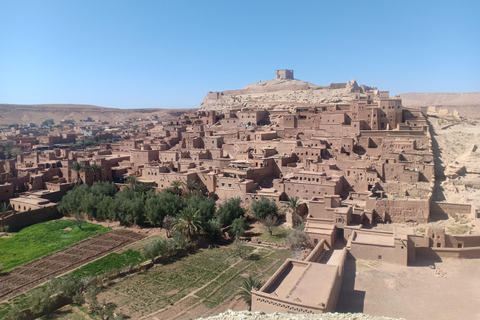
269,223
158,247
229,211
78,221
245,289
238,228
240,249
91,294
264,208
168,223
40,300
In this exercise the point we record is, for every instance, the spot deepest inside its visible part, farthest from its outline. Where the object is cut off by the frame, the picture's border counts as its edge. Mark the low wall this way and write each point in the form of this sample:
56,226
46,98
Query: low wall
459,253
317,252
445,208
24,219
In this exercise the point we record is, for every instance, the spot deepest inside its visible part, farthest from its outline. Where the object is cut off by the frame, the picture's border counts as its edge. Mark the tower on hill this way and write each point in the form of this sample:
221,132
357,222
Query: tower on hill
284,74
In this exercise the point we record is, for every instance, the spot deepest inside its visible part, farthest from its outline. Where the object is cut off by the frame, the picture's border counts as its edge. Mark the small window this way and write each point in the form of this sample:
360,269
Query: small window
379,257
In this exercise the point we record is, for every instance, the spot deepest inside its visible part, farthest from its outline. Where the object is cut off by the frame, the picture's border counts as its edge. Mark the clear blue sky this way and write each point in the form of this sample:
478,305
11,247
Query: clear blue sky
168,54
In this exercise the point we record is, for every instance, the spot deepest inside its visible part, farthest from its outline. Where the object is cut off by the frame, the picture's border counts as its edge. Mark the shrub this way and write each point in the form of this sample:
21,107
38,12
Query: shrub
15,314
240,249
298,239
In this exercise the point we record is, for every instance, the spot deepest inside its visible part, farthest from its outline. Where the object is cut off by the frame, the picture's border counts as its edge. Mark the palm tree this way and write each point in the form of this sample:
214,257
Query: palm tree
245,289
191,187
292,206
132,181
177,187
95,168
77,167
188,223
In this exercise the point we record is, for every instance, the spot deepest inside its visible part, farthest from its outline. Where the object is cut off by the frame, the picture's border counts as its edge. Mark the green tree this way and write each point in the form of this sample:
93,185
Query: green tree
40,300
189,223
245,289
230,210
264,208
157,207
159,248
239,226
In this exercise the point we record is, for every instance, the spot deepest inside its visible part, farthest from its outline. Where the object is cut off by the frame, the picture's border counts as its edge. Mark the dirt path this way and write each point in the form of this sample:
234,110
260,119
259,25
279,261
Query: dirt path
29,275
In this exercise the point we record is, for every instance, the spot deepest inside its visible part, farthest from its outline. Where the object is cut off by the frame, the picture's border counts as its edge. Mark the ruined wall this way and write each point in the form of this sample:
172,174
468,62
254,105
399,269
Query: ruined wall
403,210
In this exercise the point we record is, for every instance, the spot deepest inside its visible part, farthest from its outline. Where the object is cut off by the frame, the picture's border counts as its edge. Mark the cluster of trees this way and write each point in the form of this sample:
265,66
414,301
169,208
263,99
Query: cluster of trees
181,208
9,151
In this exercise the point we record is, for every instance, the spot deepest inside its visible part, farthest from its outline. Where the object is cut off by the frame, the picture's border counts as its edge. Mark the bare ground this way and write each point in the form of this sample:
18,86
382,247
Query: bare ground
450,291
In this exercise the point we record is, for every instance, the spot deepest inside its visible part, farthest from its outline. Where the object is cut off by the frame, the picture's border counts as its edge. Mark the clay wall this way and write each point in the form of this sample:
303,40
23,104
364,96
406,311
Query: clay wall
317,253
305,190
23,219
445,208
403,210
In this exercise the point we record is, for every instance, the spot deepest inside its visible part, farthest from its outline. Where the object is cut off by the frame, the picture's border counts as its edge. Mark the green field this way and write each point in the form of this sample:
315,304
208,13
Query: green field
41,239
167,283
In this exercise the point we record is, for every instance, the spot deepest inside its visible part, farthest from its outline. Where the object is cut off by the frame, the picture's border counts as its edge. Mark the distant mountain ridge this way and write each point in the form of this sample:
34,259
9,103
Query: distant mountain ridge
24,114
440,99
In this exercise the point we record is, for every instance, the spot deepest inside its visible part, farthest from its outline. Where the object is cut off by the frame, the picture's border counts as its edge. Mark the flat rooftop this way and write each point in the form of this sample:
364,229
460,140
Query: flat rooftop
304,282
374,239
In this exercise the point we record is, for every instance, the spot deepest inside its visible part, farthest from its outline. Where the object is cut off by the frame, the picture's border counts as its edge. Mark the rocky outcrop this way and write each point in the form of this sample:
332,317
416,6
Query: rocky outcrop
281,94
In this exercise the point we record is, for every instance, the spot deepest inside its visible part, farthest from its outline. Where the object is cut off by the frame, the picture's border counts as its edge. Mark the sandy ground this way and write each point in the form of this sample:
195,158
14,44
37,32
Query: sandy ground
451,291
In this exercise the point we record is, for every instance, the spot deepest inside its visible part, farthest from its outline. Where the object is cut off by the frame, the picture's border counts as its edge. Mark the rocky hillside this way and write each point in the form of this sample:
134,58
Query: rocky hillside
246,315
24,114
280,94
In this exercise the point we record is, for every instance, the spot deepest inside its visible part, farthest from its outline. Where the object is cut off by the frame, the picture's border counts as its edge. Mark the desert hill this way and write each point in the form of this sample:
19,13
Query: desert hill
441,99
467,104
24,114
281,94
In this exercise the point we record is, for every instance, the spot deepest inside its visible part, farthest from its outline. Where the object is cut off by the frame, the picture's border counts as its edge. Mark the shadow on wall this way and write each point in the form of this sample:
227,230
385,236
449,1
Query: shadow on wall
349,299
